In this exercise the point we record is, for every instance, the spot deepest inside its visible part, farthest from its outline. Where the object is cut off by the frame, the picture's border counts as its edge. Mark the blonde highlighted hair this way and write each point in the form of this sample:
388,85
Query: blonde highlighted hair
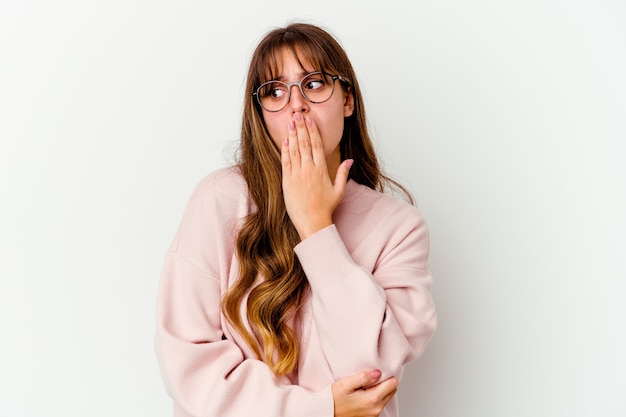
267,237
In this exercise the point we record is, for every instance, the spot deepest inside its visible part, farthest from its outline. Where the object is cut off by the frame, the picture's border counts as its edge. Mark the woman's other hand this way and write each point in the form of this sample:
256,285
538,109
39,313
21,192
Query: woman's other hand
355,396
310,194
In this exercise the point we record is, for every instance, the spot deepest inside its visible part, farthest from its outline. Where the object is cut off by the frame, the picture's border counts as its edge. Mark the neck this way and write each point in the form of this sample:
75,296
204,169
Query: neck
332,162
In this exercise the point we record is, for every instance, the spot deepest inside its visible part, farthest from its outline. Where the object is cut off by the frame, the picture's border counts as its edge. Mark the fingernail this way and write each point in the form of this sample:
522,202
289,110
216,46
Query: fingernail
298,116
375,374
309,121
292,125
350,163
286,141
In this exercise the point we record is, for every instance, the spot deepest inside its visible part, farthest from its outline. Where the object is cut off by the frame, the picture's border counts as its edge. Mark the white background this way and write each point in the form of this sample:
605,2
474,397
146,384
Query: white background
507,119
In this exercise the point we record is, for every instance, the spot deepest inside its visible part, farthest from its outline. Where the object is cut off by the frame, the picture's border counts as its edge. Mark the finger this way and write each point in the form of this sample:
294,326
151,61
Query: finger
341,178
362,379
285,158
385,388
388,397
294,148
304,140
317,145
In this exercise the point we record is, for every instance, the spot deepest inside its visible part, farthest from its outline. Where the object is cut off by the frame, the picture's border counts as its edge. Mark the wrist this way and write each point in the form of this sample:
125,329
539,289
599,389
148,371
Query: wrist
312,229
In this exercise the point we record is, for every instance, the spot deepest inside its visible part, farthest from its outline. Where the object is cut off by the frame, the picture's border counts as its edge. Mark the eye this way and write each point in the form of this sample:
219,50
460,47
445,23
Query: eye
277,92
314,82
273,90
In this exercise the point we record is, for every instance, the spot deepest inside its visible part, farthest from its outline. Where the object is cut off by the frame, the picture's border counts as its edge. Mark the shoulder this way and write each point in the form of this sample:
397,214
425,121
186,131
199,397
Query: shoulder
218,199
372,204
224,181
220,190
214,209
377,227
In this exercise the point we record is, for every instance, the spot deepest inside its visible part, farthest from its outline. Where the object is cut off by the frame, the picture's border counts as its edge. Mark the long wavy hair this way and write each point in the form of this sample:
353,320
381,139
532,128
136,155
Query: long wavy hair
266,239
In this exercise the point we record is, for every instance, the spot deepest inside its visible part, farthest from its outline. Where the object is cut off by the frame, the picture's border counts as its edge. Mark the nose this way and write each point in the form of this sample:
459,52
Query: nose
297,100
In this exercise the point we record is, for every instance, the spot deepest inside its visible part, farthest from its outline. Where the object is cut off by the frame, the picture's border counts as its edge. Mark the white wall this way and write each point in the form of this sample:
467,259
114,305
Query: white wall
506,119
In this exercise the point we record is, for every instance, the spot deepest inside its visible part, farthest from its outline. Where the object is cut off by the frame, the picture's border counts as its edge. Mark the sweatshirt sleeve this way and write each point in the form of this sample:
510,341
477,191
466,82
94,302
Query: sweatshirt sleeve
385,315
205,373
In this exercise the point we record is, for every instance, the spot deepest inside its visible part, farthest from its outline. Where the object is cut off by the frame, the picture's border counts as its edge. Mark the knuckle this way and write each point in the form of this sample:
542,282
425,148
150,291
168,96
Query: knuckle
365,378
317,145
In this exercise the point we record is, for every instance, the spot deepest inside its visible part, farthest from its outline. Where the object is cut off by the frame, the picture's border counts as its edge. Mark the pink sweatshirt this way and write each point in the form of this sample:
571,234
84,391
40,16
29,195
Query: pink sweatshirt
370,305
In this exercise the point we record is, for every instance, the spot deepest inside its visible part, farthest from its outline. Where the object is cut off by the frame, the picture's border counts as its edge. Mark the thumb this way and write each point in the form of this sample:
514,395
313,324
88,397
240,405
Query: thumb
360,380
341,178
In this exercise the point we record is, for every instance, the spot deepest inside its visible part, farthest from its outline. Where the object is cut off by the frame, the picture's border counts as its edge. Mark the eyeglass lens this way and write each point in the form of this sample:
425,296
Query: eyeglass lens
315,87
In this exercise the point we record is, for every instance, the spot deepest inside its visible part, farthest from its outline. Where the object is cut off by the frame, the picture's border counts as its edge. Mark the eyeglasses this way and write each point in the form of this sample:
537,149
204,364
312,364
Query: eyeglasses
316,87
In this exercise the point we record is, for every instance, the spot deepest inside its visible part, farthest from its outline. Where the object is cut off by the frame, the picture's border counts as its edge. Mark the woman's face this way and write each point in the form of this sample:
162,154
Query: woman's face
328,116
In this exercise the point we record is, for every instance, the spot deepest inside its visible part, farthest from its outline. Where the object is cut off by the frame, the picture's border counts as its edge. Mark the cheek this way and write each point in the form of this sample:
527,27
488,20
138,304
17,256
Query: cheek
276,128
333,127
331,133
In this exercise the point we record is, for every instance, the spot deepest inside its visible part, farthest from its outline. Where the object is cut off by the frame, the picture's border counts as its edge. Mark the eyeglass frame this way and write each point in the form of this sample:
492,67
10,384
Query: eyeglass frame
299,84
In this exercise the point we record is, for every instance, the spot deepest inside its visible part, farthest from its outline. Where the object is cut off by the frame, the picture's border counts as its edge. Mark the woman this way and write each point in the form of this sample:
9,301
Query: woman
294,287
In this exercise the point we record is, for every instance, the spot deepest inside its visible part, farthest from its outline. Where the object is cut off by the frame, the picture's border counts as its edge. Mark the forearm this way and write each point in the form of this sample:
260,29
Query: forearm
207,375
384,325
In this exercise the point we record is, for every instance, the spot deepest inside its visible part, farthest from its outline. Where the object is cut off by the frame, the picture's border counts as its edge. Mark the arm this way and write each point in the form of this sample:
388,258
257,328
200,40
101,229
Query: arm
205,374
387,315
384,313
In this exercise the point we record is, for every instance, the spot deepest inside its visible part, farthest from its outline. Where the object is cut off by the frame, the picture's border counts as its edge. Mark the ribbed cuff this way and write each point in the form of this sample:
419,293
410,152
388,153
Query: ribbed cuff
300,402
